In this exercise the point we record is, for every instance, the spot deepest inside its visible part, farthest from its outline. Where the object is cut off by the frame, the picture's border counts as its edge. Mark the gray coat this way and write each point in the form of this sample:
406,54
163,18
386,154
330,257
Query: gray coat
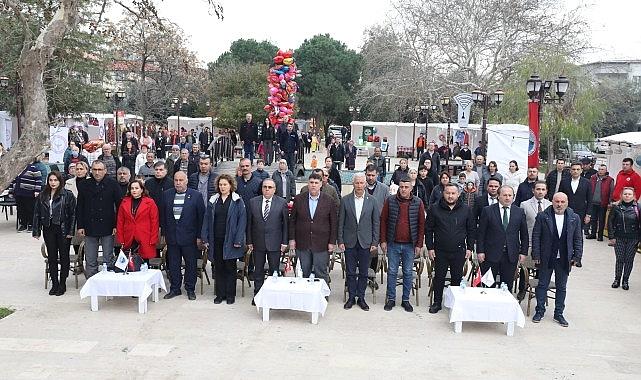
290,191
381,192
531,208
365,232
270,234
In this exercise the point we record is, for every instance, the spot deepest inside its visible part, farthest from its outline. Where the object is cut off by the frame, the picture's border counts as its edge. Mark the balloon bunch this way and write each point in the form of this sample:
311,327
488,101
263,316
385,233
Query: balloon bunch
282,87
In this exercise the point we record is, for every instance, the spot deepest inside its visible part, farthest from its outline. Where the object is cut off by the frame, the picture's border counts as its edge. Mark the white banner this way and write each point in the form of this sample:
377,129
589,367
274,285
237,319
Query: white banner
58,138
464,101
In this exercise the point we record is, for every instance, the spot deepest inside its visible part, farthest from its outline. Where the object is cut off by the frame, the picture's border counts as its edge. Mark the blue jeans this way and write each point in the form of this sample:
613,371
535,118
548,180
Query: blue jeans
248,147
560,280
398,253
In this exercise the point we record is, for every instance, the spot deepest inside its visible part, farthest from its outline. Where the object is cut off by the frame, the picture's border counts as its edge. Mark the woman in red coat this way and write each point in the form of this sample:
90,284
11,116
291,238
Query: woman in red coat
138,221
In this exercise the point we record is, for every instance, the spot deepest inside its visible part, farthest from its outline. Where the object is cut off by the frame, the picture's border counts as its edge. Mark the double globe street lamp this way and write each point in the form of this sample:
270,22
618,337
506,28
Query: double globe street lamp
117,97
486,100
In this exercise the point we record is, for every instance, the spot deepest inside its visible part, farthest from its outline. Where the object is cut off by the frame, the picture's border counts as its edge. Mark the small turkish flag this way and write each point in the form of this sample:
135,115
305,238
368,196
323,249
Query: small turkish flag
476,281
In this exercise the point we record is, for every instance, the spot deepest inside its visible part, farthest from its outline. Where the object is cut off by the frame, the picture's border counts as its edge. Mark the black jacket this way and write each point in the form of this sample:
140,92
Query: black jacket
289,142
624,221
580,201
97,206
449,230
398,174
337,153
192,183
156,187
524,192
63,214
550,179
248,132
269,134
192,167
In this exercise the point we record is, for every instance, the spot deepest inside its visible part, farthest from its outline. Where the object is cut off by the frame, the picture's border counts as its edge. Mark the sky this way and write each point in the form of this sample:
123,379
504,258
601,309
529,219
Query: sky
614,23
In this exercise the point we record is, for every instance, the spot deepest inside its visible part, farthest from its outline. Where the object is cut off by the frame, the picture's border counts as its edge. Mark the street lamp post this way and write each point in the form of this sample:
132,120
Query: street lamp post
116,96
4,83
178,105
486,100
446,103
538,91
417,110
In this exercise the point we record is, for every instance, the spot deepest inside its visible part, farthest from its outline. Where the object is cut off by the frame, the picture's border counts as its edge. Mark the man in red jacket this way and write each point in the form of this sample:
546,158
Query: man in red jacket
602,187
627,177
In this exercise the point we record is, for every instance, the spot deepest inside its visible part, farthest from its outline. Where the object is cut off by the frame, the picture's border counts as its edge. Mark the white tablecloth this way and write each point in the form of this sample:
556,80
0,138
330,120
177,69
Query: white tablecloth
293,293
473,306
138,284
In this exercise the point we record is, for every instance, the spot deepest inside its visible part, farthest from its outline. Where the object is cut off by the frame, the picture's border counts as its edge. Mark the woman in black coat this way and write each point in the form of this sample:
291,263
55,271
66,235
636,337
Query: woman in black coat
129,155
334,175
624,231
54,217
437,193
400,172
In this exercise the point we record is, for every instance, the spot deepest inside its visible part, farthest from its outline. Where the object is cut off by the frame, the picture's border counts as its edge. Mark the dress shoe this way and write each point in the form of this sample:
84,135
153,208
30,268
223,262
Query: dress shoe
22,229
171,295
62,288
231,300
578,264
191,296
219,300
616,283
537,317
625,285
559,318
362,304
590,237
389,305
407,306
348,305
53,290
434,308
599,238
520,295
253,302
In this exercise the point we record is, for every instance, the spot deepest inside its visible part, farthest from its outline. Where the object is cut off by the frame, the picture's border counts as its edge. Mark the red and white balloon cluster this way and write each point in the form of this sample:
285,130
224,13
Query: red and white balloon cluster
282,87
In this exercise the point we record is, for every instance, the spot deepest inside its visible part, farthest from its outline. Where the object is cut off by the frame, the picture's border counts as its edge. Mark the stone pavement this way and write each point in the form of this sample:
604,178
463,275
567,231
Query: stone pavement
59,337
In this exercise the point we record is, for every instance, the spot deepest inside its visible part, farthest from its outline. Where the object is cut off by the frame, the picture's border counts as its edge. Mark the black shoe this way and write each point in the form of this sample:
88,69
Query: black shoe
389,305
625,285
231,300
599,238
62,288
590,237
22,229
253,302
616,283
578,264
362,304
434,308
537,317
521,295
53,290
171,295
407,306
561,320
348,305
191,296
219,300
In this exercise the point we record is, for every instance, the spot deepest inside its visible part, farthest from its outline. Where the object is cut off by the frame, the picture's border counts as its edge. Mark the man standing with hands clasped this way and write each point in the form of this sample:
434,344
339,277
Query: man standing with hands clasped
449,237
557,245
358,229
502,237
267,218
403,228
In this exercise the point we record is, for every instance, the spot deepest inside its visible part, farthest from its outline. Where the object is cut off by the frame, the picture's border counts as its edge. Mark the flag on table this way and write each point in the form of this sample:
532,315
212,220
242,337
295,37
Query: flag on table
488,278
122,261
476,281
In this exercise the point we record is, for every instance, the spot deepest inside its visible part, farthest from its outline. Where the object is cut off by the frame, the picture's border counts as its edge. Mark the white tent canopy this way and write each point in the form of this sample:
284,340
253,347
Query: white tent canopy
621,145
632,138
196,123
506,142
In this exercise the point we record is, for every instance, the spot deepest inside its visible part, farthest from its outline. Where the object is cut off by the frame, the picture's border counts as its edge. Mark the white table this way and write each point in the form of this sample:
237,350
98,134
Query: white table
137,284
482,305
293,293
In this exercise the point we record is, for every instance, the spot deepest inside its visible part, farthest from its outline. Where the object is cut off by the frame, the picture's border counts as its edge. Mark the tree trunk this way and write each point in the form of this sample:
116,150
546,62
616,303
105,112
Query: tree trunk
34,58
550,142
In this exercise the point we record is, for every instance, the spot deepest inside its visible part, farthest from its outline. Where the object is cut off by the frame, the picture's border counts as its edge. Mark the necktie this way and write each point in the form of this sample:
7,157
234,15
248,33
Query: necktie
266,211
505,219
540,208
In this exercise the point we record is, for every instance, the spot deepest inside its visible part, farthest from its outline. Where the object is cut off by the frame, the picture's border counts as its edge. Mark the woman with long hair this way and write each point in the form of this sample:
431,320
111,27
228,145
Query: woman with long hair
493,169
437,192
514,177
417,187
624,229
72,184
224,234
137,222
129,155
54,217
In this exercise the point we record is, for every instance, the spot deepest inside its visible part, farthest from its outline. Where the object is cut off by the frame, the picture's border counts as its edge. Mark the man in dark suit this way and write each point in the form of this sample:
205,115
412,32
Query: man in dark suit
313,228
579,192
267,219
557,245
358,230
181,219
502,239
555,177
432,155
526,188
488,199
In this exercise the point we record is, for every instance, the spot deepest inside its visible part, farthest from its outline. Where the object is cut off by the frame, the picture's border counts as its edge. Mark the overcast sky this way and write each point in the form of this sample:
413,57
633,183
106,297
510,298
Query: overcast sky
614,23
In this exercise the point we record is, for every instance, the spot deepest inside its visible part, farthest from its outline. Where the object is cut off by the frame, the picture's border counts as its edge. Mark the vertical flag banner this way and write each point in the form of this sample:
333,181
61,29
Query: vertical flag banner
533,149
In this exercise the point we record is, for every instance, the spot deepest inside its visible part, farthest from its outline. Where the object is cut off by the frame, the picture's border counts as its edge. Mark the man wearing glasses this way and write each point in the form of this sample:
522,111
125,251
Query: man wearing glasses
98,199
267,218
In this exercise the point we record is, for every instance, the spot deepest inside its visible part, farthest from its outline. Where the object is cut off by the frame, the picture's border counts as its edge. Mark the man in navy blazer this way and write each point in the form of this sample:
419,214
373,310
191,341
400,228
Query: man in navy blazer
579,192
181,219
502,237
557,246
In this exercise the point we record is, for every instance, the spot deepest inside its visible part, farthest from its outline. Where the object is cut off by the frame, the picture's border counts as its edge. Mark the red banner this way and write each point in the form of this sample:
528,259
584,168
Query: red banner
533,149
